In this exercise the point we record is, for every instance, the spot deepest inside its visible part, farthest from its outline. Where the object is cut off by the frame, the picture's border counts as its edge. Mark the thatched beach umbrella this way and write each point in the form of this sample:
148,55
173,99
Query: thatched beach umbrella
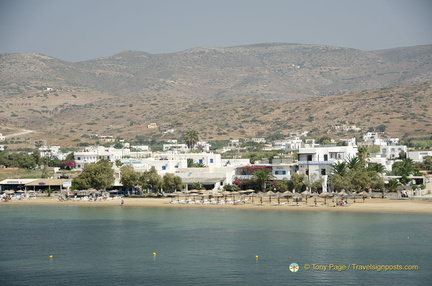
297,196
364,195
287,194
252,195
315,196
270,194
325,195
217,195
306,194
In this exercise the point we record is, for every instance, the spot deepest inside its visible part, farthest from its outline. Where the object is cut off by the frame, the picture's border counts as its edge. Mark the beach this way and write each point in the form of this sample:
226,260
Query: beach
375,205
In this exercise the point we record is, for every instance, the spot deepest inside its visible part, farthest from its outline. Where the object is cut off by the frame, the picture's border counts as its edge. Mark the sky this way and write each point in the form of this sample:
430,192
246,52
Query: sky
79,30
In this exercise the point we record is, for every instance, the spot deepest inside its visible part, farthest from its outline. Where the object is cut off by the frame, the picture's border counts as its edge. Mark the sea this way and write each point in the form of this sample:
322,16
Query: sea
83,245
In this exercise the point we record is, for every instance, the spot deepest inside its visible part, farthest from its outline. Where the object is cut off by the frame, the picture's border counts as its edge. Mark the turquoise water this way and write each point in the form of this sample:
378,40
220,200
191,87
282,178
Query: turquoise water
115,246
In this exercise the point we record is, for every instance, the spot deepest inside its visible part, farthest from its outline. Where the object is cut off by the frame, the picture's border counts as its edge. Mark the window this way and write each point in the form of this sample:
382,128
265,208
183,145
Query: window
79,158
200,161
276,172
163,168
211,160
325,157
283,172
323,172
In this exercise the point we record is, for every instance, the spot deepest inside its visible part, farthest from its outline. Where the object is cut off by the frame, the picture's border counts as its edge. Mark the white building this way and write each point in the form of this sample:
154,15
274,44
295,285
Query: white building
380,159
2,138
143,148
418,156
317,161
175,147
95,153
392,151
288,145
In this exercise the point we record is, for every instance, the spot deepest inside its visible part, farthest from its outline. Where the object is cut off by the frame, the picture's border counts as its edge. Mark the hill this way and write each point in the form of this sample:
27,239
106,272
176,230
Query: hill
237,92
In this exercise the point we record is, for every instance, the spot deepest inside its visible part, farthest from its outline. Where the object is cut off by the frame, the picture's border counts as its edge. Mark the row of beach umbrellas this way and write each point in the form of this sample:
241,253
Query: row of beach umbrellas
270,194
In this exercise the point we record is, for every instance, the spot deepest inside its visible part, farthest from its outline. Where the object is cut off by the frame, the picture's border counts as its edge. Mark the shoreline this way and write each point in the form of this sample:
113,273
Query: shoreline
376,205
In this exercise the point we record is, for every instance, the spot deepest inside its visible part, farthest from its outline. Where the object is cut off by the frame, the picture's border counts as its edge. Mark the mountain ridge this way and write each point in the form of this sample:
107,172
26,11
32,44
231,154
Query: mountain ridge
243,91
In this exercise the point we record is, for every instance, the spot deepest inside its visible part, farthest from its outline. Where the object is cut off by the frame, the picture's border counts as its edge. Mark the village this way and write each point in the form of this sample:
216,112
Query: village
200,168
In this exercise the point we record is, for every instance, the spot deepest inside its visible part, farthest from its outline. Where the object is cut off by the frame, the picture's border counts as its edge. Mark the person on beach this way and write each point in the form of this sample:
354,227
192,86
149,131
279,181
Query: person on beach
122,202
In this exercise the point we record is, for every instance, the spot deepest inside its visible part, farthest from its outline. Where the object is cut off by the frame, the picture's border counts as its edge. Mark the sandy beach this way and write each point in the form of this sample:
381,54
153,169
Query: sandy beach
369,205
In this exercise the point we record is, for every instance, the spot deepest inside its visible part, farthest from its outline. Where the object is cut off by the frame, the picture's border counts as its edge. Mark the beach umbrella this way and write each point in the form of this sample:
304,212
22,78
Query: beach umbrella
270,194
306,194
342,193
325,195
287,194
364,194
297,196
175,194
315,196
252,195
234,194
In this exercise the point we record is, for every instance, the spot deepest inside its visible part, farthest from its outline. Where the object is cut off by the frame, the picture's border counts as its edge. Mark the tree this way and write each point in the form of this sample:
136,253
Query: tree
392,185
151,180
325,140
262,176
379,168
313,183
231,188
191,138
170,182
129,177
69,162
403,168
426,164
354,163
363,154
297,182
98,176
340,168
118,163
339,182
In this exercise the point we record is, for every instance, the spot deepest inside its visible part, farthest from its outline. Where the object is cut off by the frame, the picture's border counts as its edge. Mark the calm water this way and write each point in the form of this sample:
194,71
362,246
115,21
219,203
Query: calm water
115,246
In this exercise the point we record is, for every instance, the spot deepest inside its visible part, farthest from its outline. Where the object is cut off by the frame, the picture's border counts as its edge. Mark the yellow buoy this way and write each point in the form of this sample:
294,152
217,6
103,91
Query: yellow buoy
50,256
256,257
154,253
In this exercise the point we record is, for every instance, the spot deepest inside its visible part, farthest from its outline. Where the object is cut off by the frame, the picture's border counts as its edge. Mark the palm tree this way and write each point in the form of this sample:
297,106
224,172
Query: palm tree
262,176
191,138
363,154
354,163
379,168
392,185
340,168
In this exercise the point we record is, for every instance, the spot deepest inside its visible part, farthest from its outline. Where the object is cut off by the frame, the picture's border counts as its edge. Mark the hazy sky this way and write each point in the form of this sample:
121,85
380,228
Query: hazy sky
77,30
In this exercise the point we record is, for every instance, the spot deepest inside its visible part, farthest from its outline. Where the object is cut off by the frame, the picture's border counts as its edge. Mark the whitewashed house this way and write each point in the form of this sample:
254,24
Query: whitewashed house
95,153
418,156
316,162
392,151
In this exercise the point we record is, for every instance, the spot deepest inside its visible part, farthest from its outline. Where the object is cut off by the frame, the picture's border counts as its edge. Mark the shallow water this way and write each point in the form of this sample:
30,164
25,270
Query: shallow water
115,246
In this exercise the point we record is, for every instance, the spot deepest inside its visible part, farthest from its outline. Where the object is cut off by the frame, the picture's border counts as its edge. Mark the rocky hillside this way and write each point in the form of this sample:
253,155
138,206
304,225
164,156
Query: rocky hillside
238,92
282,71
